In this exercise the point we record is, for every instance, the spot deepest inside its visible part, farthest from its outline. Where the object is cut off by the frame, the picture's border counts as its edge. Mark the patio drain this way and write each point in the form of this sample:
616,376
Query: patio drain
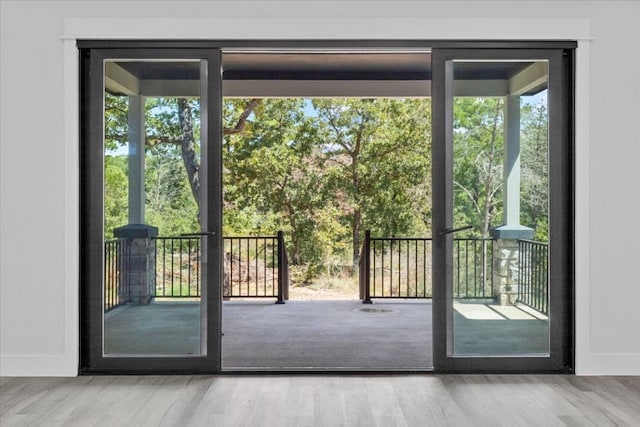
375,310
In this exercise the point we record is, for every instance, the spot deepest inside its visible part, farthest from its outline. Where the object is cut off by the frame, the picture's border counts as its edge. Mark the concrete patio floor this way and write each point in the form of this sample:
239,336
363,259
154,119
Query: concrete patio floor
393,335
327,334
491,330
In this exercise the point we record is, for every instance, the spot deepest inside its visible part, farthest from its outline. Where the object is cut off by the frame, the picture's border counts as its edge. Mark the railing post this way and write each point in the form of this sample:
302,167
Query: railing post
361,279
285,287
125,292
283,276
365,276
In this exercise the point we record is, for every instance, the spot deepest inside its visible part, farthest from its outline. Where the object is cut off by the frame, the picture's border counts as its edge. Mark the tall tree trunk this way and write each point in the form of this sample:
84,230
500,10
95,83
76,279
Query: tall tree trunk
188,148
187,140
487,209
357,218
295,240
355,182
489,184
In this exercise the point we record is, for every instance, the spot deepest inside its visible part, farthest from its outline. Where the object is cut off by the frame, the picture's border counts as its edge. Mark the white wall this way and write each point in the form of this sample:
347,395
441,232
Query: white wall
39,201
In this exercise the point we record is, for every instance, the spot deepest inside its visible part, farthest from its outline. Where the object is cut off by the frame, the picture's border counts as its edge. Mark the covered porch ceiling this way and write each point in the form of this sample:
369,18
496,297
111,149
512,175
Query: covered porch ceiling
309,74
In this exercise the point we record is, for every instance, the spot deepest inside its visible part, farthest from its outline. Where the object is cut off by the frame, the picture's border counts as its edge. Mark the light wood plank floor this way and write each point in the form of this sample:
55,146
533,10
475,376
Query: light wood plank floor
321,400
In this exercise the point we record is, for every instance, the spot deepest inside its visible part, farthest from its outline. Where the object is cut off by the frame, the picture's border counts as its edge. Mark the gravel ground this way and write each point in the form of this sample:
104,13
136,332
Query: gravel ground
309,294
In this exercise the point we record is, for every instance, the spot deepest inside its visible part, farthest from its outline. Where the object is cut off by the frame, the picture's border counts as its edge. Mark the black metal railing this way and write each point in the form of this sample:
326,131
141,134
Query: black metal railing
398,267
533,267
473,268
254,267
177,267
116,273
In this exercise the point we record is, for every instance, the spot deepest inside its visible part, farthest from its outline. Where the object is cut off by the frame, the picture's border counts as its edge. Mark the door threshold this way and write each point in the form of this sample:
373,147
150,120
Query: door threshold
325,371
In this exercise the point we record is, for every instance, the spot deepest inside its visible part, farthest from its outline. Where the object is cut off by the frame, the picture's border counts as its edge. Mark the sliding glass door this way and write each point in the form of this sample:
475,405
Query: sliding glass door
152,261
502,199
152,184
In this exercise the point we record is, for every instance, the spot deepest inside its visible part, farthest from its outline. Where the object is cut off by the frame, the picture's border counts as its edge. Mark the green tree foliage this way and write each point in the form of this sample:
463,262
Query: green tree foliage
116,190
324,170
478,165
478,140
271,167
377,160
168,202
116,128
534,153
116,186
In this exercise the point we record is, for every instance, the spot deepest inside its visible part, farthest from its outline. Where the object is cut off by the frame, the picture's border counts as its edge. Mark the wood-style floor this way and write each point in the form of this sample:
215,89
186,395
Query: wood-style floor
321,400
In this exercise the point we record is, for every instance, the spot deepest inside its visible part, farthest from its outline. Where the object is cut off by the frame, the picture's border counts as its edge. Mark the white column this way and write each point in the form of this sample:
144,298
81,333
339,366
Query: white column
136,159
506,249
512,160
511,229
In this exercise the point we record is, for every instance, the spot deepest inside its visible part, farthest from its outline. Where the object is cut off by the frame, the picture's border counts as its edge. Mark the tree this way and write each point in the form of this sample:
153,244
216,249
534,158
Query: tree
349,127
178,123
323,175
535,169
188,147
478,161
271,167
115,193
169,202
377,160
401,169
172,127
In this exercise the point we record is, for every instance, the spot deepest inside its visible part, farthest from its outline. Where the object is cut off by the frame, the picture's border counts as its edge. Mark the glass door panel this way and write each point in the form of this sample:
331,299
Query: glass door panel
502,205
153,274
500,189
151,265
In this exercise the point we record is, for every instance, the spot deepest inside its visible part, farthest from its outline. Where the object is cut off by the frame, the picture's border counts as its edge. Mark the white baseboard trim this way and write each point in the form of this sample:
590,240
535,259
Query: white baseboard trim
627,364
61,366
55,365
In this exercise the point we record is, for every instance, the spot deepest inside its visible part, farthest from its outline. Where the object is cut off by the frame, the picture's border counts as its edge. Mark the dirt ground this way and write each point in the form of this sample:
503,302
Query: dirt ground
305,293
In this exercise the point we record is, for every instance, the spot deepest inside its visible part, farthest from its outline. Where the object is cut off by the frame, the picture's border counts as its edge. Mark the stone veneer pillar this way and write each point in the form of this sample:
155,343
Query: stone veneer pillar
505,258
142,260
505,248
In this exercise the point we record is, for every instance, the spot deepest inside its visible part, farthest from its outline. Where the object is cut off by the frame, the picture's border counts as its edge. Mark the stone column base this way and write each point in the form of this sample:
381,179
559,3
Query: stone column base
505,256
142,261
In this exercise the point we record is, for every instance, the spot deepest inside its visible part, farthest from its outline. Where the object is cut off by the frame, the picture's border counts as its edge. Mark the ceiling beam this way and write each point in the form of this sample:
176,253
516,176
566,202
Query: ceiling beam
488,88
326,88
533,78
120,81
170,88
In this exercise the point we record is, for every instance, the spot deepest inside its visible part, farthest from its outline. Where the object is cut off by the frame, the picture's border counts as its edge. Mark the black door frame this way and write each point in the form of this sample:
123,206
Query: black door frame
92,360
93,52
561,216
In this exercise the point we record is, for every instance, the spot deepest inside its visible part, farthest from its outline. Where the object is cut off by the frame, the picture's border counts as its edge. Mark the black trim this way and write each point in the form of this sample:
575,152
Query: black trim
561,222
321,75
91,204
84,211
440,181
92,212
326,44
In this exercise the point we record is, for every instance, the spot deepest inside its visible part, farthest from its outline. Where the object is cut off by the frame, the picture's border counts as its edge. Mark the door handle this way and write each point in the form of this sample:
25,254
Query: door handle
203,233
454,230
